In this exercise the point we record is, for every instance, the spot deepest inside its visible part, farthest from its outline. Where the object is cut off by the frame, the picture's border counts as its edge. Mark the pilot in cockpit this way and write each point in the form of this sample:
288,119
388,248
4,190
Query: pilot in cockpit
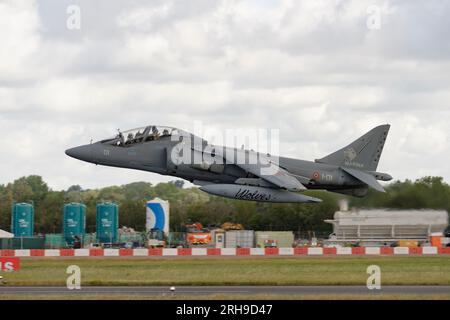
138,136
129,138
155,133
120,140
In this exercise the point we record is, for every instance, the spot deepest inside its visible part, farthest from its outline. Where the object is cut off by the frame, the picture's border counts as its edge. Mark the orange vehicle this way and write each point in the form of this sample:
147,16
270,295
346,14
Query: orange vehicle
196,238
197,235
195,227
436,239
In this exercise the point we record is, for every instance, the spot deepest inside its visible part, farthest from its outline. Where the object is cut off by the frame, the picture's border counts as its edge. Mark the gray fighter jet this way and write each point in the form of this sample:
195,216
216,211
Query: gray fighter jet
239,173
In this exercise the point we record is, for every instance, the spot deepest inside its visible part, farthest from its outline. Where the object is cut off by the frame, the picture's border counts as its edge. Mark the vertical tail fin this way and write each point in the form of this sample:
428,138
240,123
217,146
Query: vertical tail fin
363,153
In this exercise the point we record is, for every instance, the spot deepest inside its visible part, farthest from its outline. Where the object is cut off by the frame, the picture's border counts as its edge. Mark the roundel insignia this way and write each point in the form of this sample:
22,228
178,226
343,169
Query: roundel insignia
316,175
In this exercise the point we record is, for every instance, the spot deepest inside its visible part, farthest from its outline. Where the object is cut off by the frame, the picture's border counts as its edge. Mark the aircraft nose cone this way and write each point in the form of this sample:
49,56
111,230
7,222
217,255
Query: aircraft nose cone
82,153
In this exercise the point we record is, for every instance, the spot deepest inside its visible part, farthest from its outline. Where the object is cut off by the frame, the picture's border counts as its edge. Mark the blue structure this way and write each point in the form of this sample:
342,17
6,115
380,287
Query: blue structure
74,223
22,224
107,219
157,215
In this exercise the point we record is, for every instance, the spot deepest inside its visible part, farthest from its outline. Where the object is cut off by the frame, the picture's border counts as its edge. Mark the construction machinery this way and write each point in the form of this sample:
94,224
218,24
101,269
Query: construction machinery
197,234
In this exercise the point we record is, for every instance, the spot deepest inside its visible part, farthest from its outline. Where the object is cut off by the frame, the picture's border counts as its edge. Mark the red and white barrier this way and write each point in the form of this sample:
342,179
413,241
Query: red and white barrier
171,252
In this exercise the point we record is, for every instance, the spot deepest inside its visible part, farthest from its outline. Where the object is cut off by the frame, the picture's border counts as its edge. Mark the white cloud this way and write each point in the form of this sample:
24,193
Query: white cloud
310,68
19,34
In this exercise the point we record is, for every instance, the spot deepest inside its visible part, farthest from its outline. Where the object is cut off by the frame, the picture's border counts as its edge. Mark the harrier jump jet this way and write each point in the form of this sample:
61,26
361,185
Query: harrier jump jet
240,173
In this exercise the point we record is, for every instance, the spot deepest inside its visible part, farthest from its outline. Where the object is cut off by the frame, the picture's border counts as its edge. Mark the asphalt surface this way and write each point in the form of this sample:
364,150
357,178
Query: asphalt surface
210,290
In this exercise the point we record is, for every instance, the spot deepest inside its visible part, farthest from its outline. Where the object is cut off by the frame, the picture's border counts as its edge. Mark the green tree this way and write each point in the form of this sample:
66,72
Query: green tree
192,205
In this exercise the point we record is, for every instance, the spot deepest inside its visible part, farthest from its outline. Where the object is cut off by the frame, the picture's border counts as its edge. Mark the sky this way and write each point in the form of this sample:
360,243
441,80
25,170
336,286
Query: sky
321,72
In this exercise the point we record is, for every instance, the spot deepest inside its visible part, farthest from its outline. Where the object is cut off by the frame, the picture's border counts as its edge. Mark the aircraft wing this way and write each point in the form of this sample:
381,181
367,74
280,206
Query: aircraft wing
264,167
366,178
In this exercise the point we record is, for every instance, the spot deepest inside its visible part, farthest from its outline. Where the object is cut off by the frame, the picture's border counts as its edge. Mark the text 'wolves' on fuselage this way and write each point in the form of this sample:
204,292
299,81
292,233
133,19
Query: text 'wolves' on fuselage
239,173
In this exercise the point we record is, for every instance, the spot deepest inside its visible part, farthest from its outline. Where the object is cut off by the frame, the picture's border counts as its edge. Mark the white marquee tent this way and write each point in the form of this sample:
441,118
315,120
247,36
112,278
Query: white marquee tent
5,235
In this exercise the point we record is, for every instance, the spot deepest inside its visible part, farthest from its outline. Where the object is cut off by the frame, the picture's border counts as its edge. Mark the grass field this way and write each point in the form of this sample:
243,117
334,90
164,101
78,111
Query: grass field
411,270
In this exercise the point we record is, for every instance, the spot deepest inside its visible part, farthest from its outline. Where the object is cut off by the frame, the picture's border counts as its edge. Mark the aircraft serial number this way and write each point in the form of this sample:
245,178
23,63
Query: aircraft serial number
327,177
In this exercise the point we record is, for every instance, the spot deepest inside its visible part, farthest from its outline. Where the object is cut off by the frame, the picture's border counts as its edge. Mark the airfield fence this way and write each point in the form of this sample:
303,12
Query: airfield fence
23,243
174,239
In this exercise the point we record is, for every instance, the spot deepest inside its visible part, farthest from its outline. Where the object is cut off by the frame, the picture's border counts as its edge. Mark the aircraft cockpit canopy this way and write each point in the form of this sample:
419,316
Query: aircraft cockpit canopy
143,134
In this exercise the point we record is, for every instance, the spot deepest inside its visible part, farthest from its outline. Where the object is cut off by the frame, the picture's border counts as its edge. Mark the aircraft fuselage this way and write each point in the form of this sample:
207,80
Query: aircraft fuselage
350,170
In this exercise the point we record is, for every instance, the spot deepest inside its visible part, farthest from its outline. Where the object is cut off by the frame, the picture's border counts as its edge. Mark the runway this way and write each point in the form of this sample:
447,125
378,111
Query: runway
228,290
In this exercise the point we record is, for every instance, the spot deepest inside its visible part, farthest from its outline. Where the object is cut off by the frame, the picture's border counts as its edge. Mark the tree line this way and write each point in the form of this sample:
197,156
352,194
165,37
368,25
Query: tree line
189,205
